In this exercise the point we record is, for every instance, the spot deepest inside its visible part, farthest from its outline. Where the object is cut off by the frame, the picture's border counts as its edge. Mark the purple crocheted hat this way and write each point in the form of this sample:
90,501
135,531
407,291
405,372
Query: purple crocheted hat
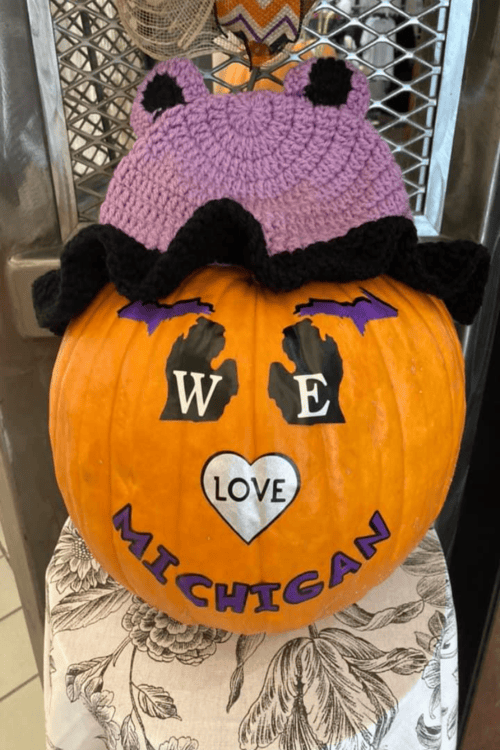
307,173
294,186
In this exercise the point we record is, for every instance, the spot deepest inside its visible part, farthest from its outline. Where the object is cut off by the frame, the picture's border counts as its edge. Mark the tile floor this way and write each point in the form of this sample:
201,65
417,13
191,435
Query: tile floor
21,698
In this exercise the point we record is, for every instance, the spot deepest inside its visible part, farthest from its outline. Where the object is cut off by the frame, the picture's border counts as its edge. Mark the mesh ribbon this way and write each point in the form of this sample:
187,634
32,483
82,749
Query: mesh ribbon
168,28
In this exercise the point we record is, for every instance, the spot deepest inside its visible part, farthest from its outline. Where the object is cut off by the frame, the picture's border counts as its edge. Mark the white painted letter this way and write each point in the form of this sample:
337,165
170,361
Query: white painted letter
196,392
307,393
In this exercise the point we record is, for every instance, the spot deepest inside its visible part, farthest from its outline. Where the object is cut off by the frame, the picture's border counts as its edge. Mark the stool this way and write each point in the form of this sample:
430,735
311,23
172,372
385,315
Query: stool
379,675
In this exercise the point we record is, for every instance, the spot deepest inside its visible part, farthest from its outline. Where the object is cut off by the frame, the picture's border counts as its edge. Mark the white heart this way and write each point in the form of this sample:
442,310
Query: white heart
250,497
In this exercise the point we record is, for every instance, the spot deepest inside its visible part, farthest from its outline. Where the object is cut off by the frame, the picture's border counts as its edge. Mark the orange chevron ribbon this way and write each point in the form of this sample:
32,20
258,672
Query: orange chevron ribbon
264,25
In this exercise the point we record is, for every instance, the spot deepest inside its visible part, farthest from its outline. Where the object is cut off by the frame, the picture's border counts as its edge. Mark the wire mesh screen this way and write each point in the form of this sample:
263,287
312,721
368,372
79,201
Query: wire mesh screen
399,44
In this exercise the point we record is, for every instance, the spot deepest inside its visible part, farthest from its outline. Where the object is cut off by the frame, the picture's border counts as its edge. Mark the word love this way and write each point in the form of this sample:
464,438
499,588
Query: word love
250,497
246,488
262,596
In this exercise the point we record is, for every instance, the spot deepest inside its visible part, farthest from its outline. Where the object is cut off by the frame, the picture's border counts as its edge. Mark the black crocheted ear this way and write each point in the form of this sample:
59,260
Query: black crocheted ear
329,82
162,93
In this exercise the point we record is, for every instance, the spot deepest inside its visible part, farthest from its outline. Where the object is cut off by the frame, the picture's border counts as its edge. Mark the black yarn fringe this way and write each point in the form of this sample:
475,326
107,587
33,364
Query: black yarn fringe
222,231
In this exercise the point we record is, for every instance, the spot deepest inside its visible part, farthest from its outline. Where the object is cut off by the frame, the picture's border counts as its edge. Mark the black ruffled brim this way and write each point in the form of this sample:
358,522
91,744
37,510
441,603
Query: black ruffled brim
222,231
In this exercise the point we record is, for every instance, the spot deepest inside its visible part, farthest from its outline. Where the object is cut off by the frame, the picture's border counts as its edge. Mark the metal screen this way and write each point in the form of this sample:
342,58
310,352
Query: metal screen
399,44
99,72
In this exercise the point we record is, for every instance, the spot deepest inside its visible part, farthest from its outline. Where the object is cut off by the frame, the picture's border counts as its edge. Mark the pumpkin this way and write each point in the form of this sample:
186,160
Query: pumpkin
254,460
237,73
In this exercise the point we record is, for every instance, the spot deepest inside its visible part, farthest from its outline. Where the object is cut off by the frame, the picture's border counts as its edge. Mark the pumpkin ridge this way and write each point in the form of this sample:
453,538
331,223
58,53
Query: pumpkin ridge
440,307
105,337
136,332
60,425
377,335
456,350
256,318
66,349
440,350
100,302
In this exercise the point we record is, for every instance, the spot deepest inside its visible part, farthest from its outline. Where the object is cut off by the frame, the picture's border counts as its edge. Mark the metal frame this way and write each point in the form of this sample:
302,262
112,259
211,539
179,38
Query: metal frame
47,68
429,224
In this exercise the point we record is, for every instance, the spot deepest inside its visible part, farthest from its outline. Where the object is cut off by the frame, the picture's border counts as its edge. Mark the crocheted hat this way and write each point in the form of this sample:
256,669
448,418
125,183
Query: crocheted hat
295,185
307,173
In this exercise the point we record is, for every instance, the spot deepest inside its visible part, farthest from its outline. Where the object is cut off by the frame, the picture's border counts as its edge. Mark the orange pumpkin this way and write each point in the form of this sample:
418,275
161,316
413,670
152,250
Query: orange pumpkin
237,73
253,460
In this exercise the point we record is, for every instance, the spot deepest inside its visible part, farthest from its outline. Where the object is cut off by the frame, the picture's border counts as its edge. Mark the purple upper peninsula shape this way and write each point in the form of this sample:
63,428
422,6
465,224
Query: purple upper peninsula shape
153,313
360,311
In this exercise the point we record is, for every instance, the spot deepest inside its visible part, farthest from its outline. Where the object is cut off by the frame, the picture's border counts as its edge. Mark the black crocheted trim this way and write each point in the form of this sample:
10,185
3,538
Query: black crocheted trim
222,231
330,82
455,271
162,93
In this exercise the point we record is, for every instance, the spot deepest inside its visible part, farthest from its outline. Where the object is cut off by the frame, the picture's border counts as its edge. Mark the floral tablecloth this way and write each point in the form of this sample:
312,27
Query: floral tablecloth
380,675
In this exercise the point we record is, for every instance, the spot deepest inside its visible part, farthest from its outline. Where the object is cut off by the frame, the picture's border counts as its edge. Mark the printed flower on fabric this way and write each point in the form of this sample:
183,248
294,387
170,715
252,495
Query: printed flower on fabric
432,678
326,691
446,648
166,639
427,562
179,743
99,705
72,565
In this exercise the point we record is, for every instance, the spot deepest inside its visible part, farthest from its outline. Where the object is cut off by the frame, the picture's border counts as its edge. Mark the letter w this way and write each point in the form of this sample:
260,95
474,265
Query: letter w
196,391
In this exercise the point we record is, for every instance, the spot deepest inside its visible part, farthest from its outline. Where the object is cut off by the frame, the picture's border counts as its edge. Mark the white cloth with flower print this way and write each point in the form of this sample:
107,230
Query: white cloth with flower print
119,675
